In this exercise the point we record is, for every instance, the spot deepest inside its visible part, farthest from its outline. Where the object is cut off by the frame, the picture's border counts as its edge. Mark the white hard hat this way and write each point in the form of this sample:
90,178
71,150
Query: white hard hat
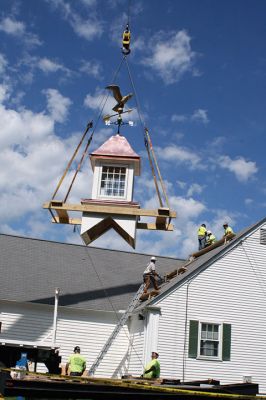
209,232
153,258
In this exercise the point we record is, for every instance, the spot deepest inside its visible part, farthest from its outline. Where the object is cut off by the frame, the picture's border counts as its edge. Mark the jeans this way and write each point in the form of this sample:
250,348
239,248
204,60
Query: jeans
202,242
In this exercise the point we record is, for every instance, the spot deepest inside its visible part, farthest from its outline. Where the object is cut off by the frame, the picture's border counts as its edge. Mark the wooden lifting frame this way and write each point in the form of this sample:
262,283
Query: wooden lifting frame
162,215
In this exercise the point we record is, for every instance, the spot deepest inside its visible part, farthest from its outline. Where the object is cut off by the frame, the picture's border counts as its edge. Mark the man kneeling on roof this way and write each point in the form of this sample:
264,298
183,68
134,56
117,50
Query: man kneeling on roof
227,229
152,369
210,239
149,275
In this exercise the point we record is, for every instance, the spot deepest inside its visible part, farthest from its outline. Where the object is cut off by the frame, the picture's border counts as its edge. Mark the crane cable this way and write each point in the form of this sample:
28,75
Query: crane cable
89,125
149,147
117,316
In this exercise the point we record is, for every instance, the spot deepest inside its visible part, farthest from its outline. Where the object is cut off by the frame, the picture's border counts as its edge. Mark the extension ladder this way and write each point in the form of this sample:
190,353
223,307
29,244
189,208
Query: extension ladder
116,330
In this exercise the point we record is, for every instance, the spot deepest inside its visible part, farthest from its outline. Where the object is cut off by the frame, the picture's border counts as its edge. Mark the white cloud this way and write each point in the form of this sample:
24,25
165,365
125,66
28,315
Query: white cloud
32,159
200,115
3,63
180,155
17,127
12,27
47,65
186,208
178,118
18,30
89,28
194,188
248,201
92,68
170,55
57,105
89,3
243,170
4,92
183,240
97,100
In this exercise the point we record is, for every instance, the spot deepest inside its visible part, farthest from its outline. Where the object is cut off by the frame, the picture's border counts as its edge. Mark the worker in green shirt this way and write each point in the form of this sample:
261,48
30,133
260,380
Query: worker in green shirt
76,363
152,369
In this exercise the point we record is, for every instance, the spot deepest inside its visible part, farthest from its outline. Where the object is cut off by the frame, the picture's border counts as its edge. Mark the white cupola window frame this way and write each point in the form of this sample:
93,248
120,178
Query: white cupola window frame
113,181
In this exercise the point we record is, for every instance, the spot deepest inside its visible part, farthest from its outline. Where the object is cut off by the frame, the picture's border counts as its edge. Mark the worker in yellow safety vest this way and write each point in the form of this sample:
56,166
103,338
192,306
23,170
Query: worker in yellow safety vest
227,229
152,369
76,362
202,233
210,238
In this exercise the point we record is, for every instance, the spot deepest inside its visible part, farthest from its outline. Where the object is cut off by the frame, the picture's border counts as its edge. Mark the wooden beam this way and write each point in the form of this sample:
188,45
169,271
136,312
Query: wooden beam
220,242
123,210
62,216
71,221
155,227
140,225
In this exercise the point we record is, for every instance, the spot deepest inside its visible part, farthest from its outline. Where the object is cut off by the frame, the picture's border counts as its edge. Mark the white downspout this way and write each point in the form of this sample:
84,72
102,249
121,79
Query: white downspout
56,298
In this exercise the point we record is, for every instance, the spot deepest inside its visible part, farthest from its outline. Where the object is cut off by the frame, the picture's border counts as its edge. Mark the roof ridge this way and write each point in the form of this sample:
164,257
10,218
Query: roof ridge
89,247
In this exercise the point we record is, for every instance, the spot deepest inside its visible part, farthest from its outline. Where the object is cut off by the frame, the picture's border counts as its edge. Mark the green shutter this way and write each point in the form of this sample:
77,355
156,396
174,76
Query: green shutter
193,339
226,342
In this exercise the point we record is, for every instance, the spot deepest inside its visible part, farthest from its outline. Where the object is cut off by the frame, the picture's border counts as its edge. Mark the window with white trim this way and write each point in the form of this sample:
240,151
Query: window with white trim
113,181
209,340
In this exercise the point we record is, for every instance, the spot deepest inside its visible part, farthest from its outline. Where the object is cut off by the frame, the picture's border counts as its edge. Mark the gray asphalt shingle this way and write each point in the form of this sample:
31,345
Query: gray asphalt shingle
88,277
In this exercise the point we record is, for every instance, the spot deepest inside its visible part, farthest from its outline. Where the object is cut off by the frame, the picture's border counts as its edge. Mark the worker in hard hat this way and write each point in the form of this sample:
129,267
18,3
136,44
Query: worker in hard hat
227,229
210,238
202,234
150,274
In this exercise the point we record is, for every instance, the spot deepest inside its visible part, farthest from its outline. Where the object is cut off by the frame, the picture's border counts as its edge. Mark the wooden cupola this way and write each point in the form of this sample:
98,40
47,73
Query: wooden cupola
114,166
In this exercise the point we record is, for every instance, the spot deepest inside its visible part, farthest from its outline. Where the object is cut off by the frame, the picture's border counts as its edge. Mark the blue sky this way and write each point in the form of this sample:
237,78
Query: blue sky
199,72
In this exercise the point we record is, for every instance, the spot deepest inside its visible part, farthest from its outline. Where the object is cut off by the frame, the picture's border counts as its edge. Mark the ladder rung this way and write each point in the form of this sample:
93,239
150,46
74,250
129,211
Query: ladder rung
116,330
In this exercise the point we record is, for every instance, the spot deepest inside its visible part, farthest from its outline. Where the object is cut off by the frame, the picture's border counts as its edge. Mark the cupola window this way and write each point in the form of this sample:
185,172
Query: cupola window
113,181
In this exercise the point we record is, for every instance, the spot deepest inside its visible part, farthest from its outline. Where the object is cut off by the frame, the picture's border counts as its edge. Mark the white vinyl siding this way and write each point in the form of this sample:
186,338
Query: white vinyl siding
90,330
232,290
25,323
135,351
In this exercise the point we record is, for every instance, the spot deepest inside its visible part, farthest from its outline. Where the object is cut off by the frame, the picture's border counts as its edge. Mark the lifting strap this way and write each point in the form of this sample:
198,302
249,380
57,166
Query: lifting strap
153,172
157,167
89,125
79,166
149,147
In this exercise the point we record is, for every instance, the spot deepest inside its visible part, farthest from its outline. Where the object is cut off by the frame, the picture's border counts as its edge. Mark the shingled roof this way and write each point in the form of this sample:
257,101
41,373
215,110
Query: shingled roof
88,277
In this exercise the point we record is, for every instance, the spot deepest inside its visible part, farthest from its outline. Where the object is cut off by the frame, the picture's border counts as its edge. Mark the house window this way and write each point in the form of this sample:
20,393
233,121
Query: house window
209,341
113,181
